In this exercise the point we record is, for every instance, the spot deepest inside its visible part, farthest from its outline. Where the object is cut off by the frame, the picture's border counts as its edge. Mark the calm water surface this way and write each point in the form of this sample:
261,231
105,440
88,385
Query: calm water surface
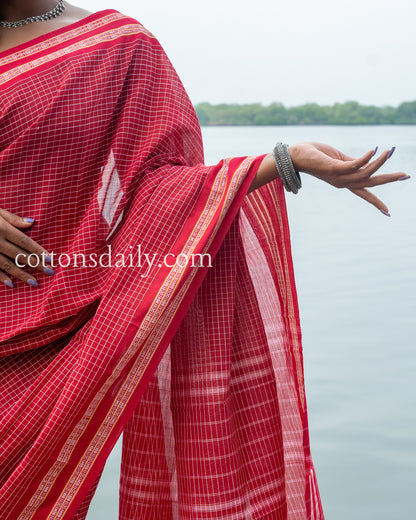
355,272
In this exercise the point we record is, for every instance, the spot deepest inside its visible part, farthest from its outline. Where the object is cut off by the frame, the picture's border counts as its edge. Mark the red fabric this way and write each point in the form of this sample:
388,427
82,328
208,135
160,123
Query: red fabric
201,366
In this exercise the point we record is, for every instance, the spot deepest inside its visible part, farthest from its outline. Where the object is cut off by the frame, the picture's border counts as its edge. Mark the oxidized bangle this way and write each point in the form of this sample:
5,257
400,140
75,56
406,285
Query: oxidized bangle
290,177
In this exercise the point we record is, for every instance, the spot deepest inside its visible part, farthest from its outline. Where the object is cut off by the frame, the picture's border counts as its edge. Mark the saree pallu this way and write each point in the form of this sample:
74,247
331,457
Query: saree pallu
199,363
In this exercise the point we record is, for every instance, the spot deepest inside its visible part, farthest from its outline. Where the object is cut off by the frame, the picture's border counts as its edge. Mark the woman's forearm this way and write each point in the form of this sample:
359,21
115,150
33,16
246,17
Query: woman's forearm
267,172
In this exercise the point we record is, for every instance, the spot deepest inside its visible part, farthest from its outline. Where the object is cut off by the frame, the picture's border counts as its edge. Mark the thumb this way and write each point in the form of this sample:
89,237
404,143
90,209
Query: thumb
15,220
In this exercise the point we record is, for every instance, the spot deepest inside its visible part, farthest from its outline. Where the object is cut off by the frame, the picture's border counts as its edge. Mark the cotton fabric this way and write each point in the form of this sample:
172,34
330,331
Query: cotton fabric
200,366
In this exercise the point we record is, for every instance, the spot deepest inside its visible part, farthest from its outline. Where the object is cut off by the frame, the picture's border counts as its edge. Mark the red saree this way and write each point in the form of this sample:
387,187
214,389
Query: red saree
200,366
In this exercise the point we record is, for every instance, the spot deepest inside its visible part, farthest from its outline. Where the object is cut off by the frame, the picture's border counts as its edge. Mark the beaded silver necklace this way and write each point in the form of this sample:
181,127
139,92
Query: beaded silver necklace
53,13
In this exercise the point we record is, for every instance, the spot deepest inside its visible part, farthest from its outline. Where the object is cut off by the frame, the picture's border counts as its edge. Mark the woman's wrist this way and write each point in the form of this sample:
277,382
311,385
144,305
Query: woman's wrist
294,155
285,168
268,170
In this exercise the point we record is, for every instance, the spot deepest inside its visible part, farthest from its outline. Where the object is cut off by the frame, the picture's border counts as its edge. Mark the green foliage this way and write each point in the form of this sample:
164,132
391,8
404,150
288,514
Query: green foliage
406,113
349,113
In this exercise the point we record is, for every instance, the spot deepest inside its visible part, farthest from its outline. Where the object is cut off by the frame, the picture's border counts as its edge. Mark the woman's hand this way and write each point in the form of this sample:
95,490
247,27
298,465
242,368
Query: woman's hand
339,170
15,248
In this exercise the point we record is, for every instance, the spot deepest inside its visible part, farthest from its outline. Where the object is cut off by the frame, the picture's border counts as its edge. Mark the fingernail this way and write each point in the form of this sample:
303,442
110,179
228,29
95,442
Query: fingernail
375,151
29,220
49,271
33,283
385,213
391,152
8,283
48,259
404,178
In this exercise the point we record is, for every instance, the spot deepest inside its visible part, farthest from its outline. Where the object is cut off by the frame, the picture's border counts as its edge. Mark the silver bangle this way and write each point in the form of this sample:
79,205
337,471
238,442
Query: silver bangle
290,177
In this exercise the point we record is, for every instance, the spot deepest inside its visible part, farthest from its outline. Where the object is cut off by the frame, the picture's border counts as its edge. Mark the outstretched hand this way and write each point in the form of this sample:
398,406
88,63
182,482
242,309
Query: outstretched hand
340,170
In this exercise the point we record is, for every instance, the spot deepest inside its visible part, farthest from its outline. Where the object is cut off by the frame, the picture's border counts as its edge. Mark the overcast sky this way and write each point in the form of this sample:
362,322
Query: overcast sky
292,51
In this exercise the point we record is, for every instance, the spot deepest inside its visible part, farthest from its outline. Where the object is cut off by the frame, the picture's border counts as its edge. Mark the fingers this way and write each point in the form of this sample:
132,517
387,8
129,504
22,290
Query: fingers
363,177
10,235
356,164
378,163
347,170
23,258
8,267
378,180
371,199
15,220
17,251
22,241
14,260
364,167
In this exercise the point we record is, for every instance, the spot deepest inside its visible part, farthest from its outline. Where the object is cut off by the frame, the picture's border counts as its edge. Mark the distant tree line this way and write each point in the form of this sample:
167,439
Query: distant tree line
349,113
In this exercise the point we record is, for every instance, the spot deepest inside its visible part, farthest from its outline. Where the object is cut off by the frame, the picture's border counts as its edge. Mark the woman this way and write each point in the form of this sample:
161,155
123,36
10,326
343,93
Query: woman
198,363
